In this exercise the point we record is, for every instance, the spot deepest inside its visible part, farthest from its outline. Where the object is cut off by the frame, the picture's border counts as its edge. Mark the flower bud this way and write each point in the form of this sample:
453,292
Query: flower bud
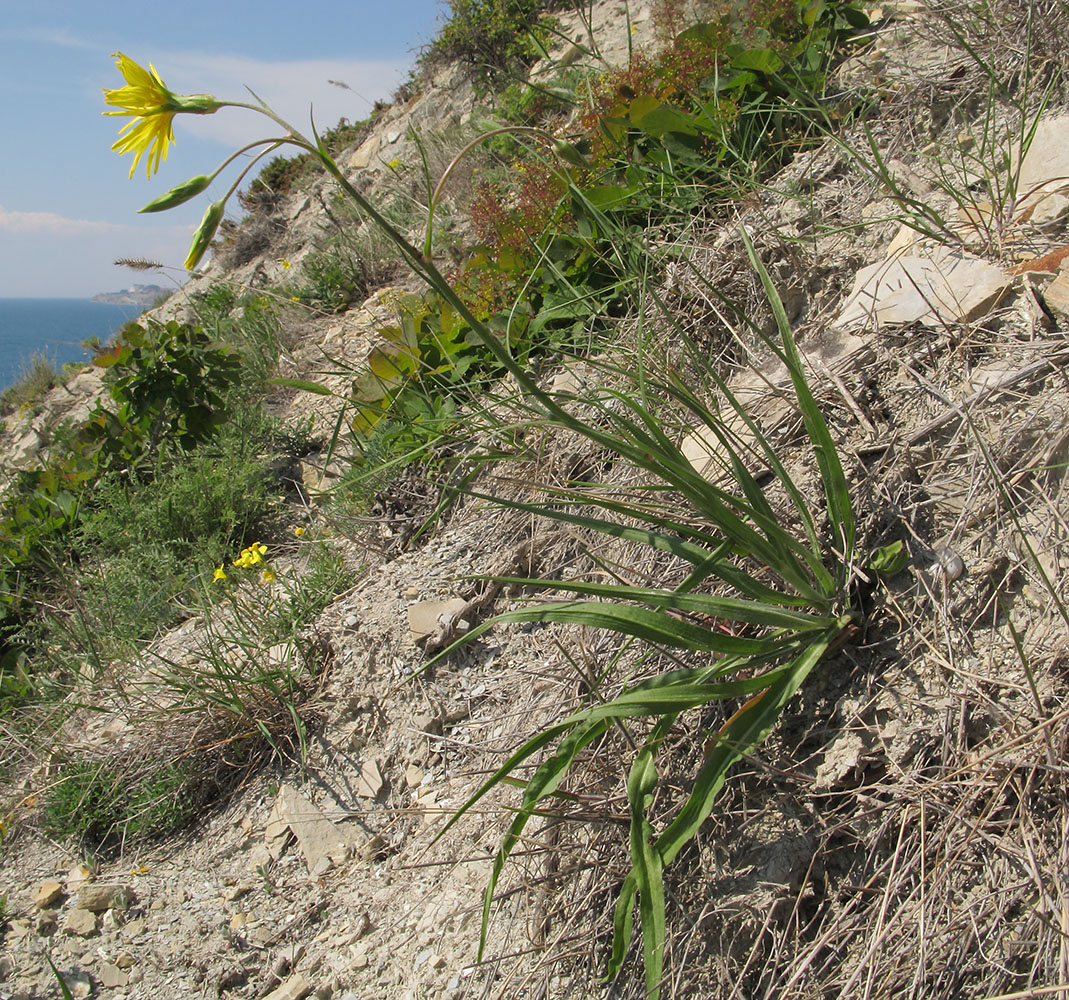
178,195
204,234
570,153
196,104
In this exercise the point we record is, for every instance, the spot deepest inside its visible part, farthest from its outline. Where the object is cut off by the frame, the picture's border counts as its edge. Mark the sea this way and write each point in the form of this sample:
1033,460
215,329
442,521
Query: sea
53,329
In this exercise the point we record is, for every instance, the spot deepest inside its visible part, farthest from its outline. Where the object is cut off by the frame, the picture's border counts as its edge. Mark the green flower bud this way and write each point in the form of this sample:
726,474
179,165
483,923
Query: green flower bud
204,234
178,195
570,153
196,104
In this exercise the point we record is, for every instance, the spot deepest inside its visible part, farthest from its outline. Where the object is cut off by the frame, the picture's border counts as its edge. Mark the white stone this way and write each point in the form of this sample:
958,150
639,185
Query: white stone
425,617
933,289
322,843
294,988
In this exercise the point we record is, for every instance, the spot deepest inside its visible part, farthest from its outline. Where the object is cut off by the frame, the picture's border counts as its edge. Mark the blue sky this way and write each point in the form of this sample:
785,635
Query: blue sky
67,206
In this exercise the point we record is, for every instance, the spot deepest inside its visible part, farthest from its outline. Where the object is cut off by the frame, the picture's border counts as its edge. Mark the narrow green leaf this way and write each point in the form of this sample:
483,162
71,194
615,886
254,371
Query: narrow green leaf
543,782
725,608
836,491
303,384
640,623
646,862
743,732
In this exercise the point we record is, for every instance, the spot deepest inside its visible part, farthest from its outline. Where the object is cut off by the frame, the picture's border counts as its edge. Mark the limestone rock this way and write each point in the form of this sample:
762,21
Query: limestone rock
78,983
81,922
112,976
294,988
77,877
370,782
1056,294
425,617
941,287
99,898
322,843
47,893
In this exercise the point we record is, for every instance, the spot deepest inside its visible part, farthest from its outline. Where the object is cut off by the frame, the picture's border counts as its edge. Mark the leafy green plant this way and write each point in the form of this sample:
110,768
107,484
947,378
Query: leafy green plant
254,664
169,382
789,607
334,279
974,168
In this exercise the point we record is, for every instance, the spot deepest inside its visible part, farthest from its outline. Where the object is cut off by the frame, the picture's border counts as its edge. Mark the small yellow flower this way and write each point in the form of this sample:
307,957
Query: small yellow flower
286,265
219,574
269,576
152,108
394,164
298,531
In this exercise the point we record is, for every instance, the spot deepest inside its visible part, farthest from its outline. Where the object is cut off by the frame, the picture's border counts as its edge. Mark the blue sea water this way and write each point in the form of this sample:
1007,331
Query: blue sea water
55,329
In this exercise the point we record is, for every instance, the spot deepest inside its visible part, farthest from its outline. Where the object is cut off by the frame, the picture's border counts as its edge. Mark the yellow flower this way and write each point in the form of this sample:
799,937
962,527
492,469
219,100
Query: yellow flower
152,108
251,556
298,531
269,576
219,574
286,265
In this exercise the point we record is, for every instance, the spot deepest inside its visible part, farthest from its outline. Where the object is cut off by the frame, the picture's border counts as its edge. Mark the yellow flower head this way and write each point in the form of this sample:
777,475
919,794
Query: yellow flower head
152,108
219,574
298,531
269,576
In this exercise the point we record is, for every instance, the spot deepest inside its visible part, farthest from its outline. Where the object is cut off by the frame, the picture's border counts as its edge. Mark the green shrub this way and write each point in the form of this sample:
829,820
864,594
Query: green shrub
31,387
98,804
496,38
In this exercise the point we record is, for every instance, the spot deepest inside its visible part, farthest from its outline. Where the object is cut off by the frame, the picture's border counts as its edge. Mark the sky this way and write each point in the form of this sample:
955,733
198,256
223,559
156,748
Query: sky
68,207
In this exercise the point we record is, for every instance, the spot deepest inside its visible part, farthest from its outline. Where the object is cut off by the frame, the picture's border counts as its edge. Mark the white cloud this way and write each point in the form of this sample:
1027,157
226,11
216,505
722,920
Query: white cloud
50,36
50,222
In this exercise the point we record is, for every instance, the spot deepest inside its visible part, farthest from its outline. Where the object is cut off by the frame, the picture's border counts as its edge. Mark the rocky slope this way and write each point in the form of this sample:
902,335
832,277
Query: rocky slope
900,832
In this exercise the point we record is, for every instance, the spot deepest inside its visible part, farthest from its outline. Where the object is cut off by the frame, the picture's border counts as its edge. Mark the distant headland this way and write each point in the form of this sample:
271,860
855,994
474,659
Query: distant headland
135,295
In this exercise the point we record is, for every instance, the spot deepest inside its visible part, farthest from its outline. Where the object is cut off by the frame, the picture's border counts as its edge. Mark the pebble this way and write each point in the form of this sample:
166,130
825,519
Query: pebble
99,898
78,983
77,877
950,565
